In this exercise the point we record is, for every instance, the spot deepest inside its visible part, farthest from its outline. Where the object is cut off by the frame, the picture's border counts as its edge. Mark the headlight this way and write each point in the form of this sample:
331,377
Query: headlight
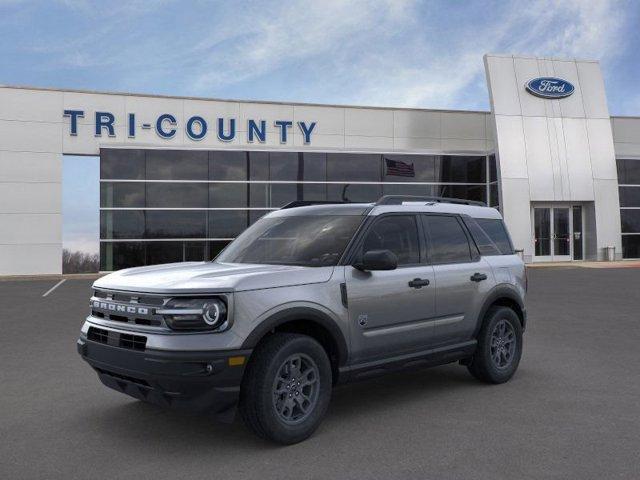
195,314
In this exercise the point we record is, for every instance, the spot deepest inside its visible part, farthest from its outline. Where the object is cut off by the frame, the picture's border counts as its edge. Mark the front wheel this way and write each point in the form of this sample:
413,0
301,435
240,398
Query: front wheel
499,346
286,389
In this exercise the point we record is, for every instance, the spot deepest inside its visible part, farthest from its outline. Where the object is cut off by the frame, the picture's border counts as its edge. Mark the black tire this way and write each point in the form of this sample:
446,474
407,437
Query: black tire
261,406
493,363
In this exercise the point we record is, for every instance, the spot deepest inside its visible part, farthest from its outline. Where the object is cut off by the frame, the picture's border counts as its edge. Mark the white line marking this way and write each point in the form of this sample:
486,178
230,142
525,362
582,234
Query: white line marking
54,287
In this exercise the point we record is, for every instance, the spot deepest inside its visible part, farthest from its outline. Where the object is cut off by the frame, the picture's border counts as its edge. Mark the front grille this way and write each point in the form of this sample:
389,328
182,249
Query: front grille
131,308
117,339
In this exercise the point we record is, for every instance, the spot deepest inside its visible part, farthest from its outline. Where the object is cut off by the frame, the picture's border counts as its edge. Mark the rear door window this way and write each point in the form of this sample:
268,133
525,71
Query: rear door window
447,240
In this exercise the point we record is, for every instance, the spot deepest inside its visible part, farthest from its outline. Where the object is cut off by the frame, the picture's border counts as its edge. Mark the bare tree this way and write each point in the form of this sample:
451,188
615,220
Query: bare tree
80,262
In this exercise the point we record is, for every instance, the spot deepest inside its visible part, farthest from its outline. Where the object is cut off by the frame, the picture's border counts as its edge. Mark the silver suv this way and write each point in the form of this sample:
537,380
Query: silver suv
308,297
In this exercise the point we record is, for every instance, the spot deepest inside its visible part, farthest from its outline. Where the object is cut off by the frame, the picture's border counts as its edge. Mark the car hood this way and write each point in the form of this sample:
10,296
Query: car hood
211,277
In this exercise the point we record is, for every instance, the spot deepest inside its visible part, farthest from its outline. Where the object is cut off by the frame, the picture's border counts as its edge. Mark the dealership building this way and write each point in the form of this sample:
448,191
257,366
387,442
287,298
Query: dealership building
180,177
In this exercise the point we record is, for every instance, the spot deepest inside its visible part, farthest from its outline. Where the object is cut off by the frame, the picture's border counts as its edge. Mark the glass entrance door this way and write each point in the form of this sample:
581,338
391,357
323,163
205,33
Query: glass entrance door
561,234
557,233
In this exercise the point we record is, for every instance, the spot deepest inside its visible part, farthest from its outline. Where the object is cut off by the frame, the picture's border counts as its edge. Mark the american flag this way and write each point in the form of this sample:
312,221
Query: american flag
398,168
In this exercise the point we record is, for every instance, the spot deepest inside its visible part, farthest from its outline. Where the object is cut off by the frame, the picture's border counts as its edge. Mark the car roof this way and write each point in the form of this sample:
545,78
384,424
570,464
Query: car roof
372,209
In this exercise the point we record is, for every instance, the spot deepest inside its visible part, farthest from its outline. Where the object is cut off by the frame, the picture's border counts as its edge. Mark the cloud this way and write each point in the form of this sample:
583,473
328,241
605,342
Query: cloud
387,52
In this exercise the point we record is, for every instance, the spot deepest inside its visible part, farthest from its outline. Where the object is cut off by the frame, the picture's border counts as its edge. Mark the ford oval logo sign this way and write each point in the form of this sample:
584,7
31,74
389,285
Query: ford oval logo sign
549,87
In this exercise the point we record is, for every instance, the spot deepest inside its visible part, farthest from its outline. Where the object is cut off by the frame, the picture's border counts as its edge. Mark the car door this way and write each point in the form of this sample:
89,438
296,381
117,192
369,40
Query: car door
390,312
462,277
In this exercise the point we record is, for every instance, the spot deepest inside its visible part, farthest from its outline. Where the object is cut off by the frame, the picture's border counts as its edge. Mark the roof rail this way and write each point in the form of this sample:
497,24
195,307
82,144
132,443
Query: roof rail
307,203
399,199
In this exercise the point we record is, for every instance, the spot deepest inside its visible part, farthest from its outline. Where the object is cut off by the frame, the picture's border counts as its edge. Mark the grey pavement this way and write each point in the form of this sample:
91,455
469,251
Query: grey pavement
571,411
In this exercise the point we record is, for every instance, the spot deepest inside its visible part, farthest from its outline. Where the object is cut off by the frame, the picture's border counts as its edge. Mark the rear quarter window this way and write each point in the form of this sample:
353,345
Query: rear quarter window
495,230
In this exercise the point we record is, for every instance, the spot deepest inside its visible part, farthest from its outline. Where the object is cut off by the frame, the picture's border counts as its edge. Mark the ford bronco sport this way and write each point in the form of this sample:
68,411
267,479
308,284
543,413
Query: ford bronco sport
307,297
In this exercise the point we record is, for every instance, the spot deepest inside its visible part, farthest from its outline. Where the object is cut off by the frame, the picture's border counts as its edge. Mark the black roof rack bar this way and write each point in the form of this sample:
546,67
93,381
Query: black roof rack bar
398,199
307,203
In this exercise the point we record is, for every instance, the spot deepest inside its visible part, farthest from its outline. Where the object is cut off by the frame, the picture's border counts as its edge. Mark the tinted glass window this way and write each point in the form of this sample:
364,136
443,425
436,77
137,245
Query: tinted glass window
121,224
628,171
630,221
164,252
631,246
284,166
494,199
409,168
215,248
416,190
460,169
228,165
447,241
195,251
258,166
227,223
176,224
130,195
477,193
227,195
354,167
630,196
351,192
119,255
176,165
314,166
177,195
122,163
283,193
493,169
396,233
497,232
486,246
312,241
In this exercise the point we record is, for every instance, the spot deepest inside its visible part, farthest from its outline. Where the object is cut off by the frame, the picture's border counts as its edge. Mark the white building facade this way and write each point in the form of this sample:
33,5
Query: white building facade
180,177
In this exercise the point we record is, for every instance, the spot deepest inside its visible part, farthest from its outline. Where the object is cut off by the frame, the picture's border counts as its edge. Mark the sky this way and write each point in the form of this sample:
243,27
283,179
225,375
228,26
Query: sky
400,53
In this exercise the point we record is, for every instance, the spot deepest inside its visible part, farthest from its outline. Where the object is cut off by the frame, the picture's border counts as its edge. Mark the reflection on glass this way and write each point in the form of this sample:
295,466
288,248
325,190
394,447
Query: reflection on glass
176,224
284,166
628,171
561,237
227,195
631,246
227,223
630,221
121,224
128,195
176,165
228,165
542,229
177,195
354,167
577,232
126,164
353,192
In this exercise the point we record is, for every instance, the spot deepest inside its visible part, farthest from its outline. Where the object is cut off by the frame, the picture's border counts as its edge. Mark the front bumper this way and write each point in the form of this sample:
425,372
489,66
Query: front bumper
194,381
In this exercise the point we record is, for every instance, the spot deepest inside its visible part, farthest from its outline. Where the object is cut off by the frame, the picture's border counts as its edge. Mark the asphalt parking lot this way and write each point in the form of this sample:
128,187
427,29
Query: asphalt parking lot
572,410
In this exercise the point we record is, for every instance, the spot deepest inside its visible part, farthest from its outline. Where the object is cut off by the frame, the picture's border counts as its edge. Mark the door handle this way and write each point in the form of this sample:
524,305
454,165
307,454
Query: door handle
478,277
418,283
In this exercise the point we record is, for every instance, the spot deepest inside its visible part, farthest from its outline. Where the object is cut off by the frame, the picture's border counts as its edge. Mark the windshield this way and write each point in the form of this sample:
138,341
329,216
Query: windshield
310,241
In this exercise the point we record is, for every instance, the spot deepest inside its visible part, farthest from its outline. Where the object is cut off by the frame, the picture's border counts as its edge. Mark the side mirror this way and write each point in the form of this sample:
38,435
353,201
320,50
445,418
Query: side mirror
377,260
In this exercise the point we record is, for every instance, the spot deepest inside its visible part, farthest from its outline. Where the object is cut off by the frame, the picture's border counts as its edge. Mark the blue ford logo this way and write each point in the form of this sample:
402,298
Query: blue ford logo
550,87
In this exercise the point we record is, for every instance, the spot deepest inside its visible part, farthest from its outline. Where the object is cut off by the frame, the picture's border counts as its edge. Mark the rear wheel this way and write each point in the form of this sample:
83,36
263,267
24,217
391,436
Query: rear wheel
286,389
499,346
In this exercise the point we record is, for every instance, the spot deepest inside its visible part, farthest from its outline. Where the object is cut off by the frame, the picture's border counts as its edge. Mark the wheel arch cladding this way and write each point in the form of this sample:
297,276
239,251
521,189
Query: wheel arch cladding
307,321
503,296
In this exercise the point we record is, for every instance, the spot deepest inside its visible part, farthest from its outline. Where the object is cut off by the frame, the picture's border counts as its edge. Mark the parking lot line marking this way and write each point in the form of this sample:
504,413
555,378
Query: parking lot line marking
54,287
